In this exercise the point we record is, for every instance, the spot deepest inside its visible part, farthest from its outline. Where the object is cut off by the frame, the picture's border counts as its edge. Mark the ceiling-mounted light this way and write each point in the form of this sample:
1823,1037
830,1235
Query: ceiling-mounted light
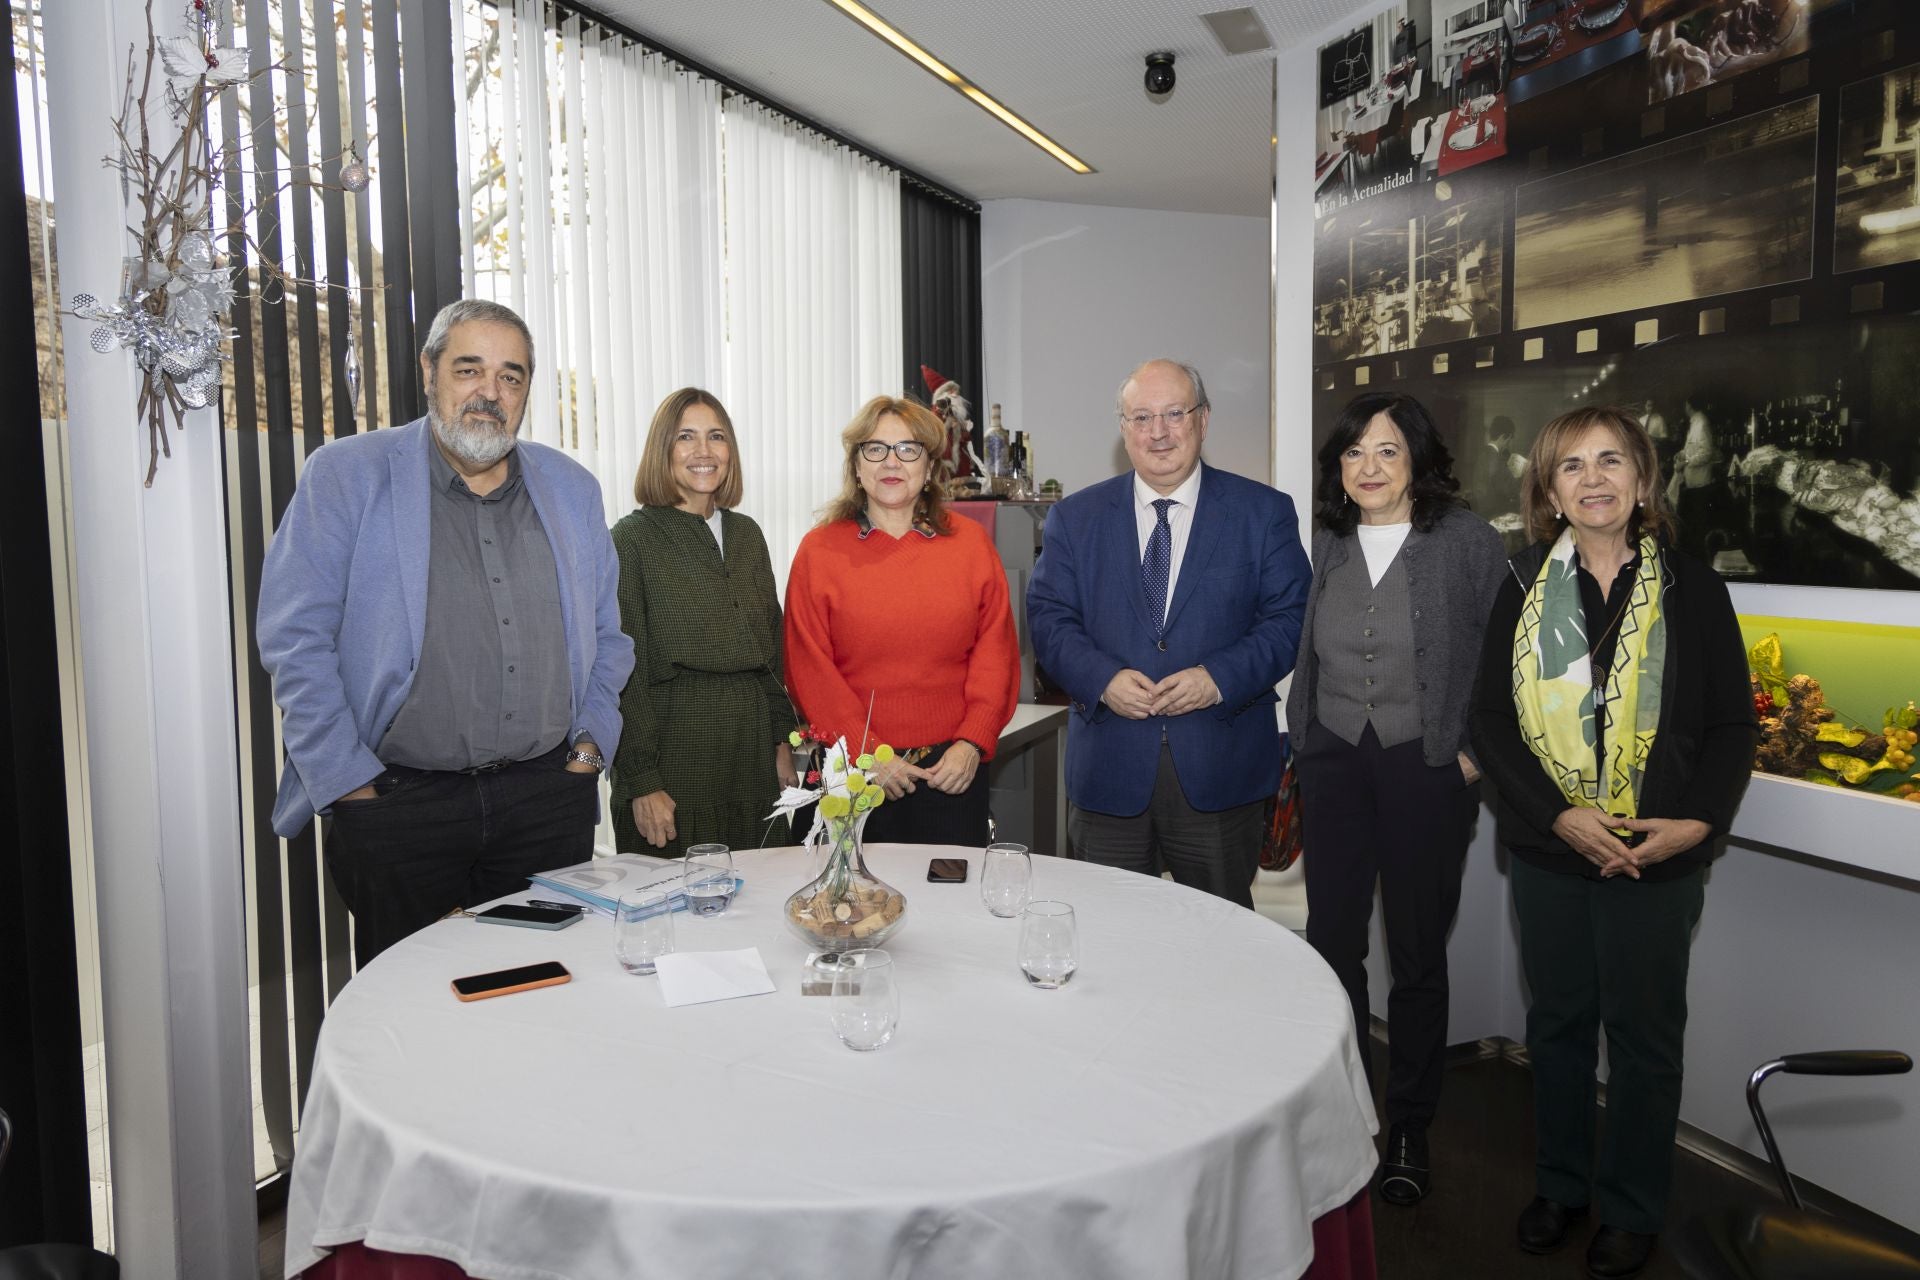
1026,130
893,36
886,31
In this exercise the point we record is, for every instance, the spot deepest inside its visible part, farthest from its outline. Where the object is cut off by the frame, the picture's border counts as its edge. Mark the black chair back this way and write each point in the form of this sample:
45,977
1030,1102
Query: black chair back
1772,1243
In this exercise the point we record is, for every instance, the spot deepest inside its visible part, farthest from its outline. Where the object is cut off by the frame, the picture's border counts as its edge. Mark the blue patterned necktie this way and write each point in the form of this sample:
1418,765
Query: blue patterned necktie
1157,565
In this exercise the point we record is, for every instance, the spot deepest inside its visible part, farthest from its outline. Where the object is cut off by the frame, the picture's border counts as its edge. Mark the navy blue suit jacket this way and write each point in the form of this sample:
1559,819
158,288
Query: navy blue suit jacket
1236,610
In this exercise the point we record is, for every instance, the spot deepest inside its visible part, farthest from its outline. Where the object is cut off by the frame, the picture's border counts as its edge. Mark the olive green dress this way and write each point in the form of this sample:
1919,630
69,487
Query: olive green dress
705,706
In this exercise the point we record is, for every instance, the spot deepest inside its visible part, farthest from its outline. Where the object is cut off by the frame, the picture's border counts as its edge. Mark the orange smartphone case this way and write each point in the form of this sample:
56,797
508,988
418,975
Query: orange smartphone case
556,980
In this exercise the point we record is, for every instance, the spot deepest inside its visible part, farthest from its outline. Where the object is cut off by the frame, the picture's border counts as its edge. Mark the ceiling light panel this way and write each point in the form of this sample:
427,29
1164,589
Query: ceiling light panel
899,40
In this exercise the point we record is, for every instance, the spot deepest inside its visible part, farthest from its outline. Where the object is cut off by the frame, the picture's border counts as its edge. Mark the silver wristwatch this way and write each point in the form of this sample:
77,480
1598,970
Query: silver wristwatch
592,758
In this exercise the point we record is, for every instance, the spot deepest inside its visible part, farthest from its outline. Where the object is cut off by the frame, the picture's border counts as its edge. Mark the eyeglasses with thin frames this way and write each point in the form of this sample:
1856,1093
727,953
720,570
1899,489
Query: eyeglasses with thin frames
905,450
1174,418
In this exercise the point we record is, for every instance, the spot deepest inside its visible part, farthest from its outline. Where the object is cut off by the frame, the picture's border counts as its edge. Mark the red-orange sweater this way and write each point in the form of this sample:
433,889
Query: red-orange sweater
920,624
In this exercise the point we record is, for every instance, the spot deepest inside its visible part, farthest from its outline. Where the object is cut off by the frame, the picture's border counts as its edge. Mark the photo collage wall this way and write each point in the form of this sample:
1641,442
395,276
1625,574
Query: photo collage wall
1704,211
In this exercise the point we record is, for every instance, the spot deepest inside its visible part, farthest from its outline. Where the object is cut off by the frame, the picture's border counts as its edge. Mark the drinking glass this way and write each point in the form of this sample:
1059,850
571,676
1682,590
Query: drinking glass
865,1006
642,929
1006,879
1049,944
708,879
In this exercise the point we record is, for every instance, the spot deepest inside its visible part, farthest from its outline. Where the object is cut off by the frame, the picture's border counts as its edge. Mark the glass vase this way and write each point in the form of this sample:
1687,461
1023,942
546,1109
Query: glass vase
846,906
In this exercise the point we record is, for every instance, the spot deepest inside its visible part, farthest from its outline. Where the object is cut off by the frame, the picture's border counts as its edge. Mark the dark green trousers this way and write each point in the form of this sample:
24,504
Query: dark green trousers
1606,953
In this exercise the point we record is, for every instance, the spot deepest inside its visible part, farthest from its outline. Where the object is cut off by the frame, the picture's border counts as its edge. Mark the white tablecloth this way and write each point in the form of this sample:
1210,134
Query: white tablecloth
1185,1107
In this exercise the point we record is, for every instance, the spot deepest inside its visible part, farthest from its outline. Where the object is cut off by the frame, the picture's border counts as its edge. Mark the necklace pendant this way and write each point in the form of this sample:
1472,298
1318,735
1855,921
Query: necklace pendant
1599,675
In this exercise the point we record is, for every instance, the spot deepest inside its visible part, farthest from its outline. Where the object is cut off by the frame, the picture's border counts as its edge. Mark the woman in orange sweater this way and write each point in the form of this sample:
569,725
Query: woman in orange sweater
899,611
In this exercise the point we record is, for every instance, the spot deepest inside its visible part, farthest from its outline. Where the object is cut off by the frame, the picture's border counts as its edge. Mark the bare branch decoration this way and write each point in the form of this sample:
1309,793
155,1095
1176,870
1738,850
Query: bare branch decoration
176,289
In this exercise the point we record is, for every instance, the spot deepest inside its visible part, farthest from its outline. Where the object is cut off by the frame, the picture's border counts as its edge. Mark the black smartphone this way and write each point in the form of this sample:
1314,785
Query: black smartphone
504,982
527,917
947,871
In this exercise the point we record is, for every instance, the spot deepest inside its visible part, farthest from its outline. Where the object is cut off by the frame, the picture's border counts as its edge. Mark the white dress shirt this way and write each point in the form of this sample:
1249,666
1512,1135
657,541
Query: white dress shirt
1179,520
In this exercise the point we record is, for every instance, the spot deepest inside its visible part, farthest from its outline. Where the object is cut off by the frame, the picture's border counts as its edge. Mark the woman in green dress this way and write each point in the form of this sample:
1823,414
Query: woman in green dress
703,754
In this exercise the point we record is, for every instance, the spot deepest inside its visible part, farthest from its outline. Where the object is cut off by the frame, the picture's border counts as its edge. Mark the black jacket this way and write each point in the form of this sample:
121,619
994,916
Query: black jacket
1703,749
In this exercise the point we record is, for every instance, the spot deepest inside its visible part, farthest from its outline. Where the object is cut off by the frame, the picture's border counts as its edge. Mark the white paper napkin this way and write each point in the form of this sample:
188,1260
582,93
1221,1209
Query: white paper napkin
695,977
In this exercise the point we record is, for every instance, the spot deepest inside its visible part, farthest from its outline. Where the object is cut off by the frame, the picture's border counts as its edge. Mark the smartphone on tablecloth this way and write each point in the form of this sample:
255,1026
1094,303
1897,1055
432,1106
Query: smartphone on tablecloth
527,916
947,871
504,982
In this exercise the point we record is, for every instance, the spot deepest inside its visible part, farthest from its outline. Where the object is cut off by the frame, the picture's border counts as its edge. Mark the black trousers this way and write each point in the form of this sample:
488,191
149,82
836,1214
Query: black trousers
431,841
1372,813
1217,853
926,816
1606,953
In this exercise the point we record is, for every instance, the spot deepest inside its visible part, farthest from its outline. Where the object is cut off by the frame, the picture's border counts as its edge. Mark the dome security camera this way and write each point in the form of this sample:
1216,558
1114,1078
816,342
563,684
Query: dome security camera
1160,74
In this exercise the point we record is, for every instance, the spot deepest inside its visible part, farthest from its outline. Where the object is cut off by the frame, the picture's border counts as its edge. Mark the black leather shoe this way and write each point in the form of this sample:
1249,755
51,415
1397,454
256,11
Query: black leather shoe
1616,1253
1404,1175
1543,1224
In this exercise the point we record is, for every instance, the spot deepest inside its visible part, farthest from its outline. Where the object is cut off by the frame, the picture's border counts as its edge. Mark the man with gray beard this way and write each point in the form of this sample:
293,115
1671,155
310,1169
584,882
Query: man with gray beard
438,611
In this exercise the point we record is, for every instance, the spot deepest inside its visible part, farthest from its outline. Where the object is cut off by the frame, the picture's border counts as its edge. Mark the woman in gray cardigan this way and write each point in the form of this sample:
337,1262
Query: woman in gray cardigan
1403,580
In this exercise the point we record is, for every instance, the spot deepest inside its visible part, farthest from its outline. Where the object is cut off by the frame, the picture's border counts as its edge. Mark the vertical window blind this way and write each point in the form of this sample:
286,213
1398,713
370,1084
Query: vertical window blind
658,231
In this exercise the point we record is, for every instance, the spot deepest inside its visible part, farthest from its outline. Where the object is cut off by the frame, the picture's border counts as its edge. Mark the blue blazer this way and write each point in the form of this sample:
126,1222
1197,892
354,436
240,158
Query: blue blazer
1236,610
343,605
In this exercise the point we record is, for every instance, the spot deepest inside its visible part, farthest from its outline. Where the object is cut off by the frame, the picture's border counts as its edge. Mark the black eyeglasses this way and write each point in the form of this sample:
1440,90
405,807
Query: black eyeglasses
905,450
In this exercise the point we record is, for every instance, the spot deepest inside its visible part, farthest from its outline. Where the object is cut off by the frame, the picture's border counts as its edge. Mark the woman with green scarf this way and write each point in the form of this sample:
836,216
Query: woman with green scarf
1613,717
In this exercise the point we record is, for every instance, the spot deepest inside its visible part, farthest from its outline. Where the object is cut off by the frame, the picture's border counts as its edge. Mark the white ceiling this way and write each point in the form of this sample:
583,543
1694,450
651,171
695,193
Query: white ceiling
1072,68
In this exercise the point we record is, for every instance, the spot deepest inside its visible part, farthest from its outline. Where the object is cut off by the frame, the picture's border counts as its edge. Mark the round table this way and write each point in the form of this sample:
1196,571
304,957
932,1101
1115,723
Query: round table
1187,1106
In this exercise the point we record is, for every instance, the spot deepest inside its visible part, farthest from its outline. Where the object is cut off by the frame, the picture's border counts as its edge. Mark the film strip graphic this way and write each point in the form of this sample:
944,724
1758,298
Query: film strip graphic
1759,242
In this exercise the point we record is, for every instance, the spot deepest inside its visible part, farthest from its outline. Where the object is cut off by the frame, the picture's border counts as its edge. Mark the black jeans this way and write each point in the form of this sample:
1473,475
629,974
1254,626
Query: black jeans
1383,813
1216,853
1606,954
926,816
431,841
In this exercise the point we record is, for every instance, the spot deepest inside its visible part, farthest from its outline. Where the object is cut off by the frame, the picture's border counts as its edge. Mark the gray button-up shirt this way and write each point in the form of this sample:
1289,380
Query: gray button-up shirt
493,682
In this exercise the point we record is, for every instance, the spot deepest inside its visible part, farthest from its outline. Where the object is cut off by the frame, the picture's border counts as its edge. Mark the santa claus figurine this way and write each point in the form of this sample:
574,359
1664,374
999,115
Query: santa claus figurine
943,394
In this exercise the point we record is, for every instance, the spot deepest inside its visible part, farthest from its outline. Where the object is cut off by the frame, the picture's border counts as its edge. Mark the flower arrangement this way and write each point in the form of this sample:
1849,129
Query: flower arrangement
845,906
845,789
1802,737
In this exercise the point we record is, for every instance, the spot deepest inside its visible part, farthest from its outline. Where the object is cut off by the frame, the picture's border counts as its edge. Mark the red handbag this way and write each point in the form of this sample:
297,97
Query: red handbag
1280,848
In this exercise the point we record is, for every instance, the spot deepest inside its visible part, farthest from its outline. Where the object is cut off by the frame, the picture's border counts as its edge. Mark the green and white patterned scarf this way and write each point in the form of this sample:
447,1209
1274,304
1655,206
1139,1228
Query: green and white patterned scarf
1557,692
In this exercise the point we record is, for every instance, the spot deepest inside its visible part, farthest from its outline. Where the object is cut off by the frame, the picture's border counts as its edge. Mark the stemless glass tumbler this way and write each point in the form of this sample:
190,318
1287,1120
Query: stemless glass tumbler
642,929
865,1006
1049,944
1006,879
709,879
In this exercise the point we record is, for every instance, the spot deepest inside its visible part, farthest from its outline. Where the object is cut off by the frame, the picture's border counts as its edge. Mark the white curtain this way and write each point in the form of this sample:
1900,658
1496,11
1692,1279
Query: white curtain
594,172
813,311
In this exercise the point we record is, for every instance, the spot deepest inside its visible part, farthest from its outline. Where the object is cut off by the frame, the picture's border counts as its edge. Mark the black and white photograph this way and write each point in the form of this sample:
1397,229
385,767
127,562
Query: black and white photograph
1387,278
1694,43
1363,274
1877,193
1724,209
1788,457
1459,266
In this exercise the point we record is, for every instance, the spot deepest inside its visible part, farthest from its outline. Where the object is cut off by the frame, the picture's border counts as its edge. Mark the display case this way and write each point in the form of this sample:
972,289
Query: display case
1863,676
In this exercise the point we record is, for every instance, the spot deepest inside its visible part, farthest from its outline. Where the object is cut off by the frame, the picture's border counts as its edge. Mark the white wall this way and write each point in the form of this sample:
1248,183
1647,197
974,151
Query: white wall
1074,296
1792,954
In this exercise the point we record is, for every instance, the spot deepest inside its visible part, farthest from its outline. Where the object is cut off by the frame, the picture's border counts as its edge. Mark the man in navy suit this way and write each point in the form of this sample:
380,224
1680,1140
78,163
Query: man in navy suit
1168,602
